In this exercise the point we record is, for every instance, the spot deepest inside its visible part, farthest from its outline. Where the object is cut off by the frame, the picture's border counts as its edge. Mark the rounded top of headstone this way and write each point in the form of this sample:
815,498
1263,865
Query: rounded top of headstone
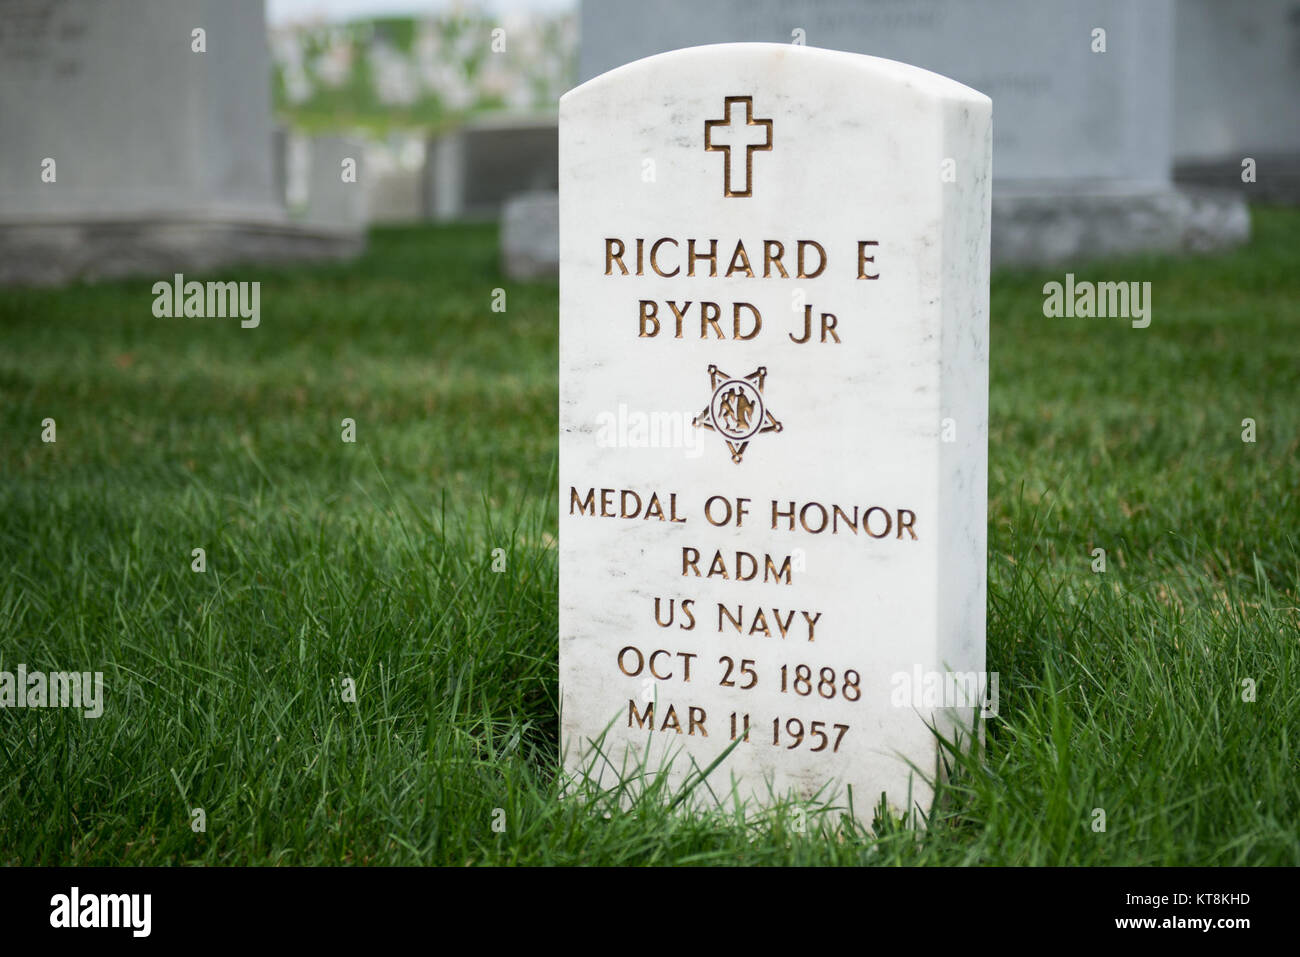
778,56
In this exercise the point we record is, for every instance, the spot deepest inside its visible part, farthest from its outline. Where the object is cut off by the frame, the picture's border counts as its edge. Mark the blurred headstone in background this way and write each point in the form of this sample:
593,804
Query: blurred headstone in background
395,177
134,145
425,72
530,235
474,169
1082,103
457,110
1237,96
280,163
336,198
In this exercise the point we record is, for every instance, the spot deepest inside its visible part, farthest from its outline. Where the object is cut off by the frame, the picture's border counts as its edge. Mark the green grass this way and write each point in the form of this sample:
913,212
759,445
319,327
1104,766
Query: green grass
373,561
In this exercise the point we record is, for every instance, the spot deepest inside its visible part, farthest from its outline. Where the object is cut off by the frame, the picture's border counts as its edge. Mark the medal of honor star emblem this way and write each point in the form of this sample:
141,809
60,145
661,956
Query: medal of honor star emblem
736,409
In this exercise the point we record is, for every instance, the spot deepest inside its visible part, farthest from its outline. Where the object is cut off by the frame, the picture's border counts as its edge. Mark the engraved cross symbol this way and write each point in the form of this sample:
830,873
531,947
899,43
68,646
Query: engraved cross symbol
738,128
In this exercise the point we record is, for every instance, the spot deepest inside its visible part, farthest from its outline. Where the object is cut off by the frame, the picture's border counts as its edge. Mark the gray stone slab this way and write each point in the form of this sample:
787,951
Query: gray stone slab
1236,80
1082,140
395,178
473,170
163,156
334,202
1032,228
1061,112
56,253
1236,86
530,236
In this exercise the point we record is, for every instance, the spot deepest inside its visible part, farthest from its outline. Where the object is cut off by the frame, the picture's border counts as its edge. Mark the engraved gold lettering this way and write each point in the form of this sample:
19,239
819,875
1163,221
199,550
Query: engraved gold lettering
692,255
815,518
697,720
771,258
717,566
685,610
672,604
622,504
802,245
645,720
687,603
670,721
640,661
735,320
678,315
771,572
654,260
828,326
740,262
838,513
741,558
760,623
708,510
745,567
709,315
807,327
782,626
863,258
582,503
614,250
653,656
649,314
642,720
821,525
866,522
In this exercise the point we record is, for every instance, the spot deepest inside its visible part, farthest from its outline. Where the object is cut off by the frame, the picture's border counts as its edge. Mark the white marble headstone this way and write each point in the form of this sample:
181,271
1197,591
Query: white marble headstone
773,419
